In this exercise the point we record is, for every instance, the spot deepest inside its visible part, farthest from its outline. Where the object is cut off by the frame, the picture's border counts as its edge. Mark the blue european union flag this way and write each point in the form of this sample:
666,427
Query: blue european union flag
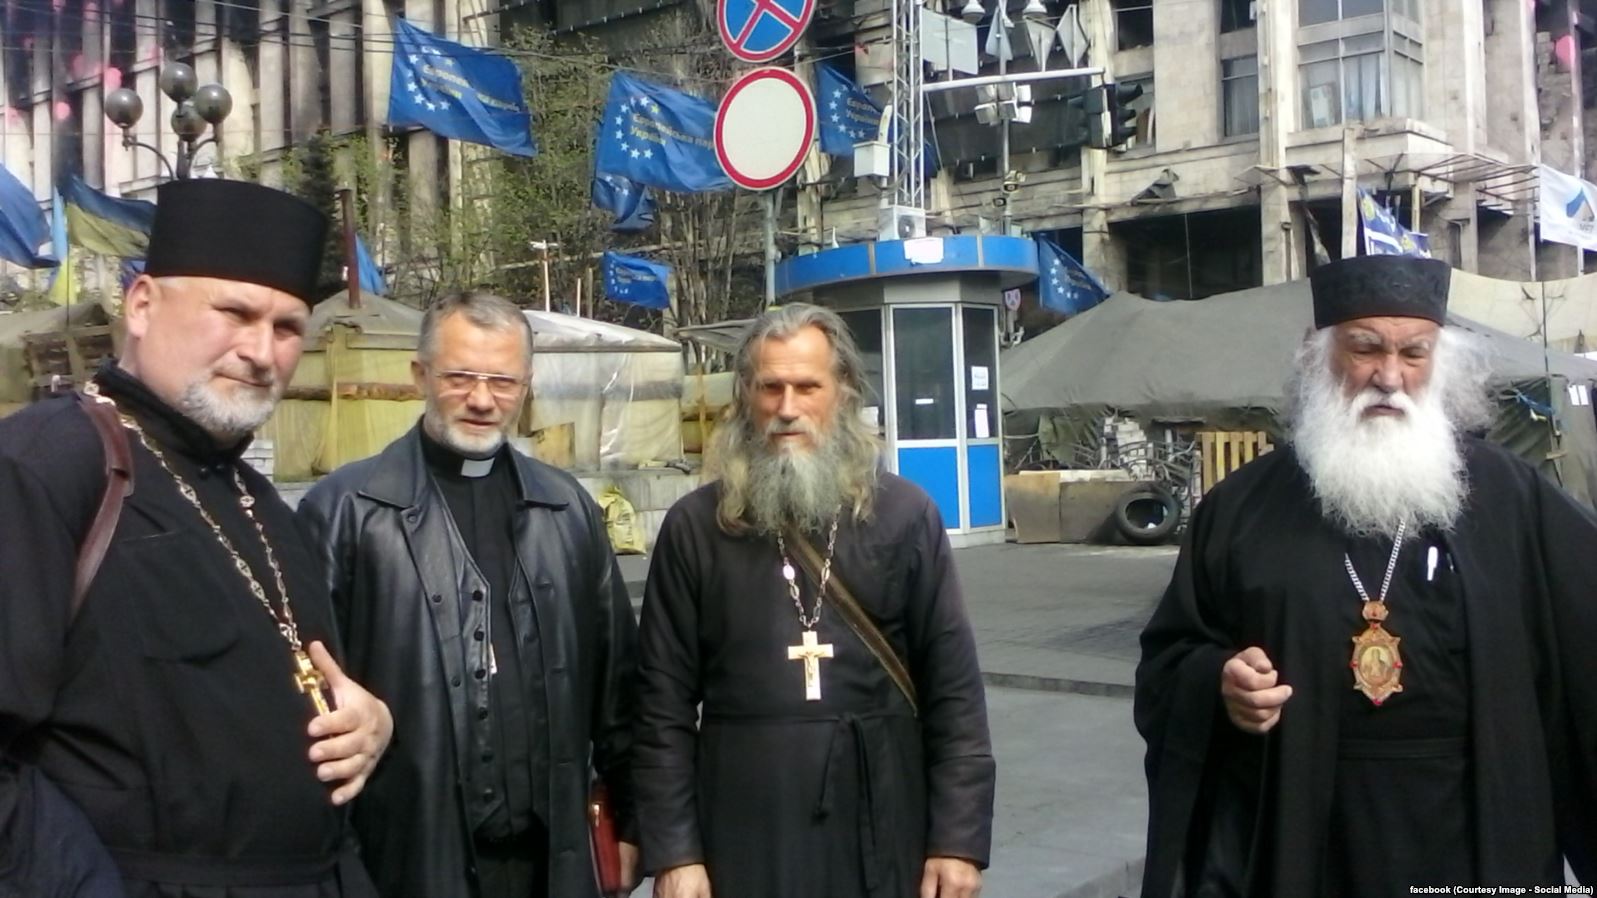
458,91
636,280
658,136
371,277
22,226
631,203
1062,283
848,114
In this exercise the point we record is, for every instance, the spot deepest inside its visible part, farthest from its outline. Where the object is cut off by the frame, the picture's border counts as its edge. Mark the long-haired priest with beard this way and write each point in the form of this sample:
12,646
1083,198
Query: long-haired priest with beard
807,604
1373,667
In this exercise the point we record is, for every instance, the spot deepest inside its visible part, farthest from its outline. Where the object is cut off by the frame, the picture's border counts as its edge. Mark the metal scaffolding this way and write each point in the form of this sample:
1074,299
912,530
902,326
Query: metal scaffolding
908,134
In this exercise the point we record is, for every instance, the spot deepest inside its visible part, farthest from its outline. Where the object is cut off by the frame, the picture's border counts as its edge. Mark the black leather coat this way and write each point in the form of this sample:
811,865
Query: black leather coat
385,535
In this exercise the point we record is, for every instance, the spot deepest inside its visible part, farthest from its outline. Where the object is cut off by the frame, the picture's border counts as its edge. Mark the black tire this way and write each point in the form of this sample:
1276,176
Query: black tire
1146,516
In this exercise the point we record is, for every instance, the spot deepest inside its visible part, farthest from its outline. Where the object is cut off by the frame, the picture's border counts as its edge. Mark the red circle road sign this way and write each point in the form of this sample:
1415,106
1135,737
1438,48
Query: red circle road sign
761,30
764,127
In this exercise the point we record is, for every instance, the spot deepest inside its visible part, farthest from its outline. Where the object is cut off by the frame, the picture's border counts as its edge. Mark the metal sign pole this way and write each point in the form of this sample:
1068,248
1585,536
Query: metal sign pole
770,247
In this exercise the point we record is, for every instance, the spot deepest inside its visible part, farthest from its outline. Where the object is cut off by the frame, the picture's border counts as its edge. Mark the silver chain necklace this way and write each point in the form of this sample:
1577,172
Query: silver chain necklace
809,621
1391,565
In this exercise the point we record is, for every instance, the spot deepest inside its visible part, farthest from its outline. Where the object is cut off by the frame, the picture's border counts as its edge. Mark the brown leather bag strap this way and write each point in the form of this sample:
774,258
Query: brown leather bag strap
118,486
860,622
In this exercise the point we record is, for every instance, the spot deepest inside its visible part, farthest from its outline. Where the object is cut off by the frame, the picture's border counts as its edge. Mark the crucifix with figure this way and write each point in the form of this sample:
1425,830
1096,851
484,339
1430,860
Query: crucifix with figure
811,653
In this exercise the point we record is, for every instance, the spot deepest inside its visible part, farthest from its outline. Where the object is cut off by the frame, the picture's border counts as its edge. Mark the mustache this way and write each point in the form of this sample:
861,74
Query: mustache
777,425
1372,398
258,375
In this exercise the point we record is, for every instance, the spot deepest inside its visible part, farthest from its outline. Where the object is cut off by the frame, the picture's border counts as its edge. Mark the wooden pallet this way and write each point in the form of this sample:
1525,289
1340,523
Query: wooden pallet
1223,451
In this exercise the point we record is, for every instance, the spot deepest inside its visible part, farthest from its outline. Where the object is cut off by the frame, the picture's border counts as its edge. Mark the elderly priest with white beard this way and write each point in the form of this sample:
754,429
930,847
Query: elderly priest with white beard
1373,668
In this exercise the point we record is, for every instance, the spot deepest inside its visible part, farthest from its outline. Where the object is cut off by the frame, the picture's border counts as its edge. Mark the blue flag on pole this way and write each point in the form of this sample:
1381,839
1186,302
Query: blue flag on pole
22,226
1384,236
1062,283
658,136
458,91
371,277
631,203
636,280
848,114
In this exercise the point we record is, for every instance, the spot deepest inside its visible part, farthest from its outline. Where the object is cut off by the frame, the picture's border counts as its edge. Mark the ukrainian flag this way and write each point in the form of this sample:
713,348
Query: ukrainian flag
105,224
63,284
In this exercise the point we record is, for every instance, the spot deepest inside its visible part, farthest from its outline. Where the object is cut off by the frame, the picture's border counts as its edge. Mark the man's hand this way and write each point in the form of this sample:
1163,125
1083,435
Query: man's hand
629,867
351,738
950,877
689,881
1248,685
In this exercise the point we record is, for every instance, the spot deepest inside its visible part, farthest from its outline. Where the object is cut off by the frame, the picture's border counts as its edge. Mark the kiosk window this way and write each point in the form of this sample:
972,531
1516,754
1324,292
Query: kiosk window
981,373
923,371
866,327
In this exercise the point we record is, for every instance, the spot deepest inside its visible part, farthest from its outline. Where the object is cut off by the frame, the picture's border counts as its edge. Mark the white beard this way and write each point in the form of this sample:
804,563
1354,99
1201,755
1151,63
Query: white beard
1374,475
796,486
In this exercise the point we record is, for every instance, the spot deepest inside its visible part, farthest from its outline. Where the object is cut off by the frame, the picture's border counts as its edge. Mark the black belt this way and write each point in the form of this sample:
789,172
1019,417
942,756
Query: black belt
222,872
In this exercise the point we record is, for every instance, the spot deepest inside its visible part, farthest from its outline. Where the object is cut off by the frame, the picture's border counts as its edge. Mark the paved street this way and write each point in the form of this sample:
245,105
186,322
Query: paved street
1057,630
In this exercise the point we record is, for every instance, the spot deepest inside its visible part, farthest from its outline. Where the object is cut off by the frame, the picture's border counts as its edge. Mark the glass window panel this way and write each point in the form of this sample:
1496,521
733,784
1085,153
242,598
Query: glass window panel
1313,12
1363,43
1316,52
1321,94
1352,9
1363,98
1240,96
981,370
923,371
866,327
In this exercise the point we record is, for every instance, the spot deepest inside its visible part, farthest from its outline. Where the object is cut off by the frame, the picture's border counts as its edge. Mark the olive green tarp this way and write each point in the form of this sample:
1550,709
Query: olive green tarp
1223,362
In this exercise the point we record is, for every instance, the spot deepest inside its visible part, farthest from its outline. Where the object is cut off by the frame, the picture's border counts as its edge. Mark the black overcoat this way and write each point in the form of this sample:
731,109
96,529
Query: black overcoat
385,534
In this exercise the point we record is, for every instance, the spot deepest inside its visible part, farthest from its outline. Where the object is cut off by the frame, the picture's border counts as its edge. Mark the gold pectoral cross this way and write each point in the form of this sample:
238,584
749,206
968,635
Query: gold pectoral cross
811,654
310,681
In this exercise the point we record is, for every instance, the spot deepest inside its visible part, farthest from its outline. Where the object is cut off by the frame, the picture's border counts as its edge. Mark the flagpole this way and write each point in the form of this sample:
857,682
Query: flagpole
351,259
770,247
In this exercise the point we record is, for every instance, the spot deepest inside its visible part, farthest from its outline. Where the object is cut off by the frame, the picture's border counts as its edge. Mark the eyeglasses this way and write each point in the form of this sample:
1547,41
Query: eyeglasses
502,386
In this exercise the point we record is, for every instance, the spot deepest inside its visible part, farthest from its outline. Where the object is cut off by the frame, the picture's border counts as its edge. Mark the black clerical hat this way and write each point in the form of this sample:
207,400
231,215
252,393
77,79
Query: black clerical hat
1379,286
237,231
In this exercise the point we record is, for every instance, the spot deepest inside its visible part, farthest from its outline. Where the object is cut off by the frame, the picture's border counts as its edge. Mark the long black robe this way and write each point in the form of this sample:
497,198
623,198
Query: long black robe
167,711
1261,567
780,796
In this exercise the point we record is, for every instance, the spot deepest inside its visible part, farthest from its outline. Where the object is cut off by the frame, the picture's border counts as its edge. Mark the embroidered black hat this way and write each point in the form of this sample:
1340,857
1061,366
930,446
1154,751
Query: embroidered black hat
237,231
1380,286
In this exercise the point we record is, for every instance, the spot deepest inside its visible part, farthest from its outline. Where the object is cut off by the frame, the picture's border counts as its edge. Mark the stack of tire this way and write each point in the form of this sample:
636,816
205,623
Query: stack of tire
1147,515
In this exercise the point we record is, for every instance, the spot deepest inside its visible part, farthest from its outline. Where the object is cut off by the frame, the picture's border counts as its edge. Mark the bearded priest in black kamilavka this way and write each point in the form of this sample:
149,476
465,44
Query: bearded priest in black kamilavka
1373,668
808,601
192,707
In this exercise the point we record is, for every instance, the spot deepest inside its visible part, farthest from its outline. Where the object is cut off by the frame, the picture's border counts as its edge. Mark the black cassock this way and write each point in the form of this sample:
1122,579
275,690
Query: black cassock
779,796
1482,771
168,710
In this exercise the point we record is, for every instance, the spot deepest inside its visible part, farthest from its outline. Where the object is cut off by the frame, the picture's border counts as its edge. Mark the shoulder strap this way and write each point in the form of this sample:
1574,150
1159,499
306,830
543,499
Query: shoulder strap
118,486
849,609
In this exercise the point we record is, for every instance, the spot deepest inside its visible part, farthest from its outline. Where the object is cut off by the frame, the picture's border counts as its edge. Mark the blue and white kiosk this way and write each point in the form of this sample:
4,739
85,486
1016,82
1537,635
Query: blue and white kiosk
927,313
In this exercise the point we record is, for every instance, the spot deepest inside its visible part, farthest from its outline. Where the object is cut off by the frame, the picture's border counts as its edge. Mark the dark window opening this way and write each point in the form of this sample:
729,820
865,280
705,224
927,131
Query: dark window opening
1237,15
1133,23
1192,256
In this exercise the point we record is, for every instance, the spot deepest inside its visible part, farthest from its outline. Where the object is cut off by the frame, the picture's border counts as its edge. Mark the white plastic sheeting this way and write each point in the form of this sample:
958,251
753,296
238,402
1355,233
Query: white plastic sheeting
619,388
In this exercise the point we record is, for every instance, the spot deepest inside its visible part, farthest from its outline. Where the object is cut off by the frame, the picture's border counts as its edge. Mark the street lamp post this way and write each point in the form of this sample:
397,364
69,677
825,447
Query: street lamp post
198,108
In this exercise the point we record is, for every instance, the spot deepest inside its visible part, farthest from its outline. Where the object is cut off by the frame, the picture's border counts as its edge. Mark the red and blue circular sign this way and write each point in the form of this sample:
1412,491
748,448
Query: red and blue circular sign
761,30
764,127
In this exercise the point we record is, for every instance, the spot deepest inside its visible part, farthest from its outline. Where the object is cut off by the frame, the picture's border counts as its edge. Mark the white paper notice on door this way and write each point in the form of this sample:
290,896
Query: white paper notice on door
978,377
982,431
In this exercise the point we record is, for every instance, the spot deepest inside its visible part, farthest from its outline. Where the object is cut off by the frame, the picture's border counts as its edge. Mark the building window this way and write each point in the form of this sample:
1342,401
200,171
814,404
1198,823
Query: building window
1239,94
1316,12
1344,80
1237,15
1408,77
1144,107
1133,23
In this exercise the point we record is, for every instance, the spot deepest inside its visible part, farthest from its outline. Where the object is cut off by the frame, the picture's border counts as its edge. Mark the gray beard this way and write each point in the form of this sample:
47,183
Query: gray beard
801,489
458,441
227,420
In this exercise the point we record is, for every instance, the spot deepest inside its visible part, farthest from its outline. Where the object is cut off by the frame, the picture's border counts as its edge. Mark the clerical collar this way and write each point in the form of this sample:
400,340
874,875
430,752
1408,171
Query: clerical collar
165,424
444,460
